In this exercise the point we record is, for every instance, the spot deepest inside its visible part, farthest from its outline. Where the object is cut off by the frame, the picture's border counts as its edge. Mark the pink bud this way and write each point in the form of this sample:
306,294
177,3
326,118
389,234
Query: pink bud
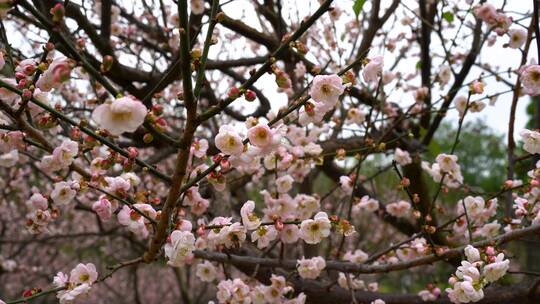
250,95
279,225
133,152
200,230
225,164
234,92
490,250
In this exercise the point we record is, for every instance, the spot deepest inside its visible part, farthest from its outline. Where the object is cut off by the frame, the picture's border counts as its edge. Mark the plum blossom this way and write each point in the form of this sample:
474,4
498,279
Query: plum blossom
284,183
79,282
233,291
355,284
346,184
37,202
290,234
249,218
134,221
310,268
180,247
197,6
9,159
124,114
228,141
530,79
63,193
402,157
62,156
117,185
472,254
312,231
233,235
474,205
445,73
531,141
357,257
70,295
263,136
373,69
199,147
264,235
326,90
206,271
496,270
368,204
58,72
103,208
398,209
83,274
517,38
465,292
355,115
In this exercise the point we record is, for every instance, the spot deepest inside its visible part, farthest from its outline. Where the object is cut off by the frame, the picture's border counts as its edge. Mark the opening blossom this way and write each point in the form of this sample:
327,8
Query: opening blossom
531,141
249,219
530,79
312,231
78,283
134,221
180,249
310,268
326,90
124,114
228,141
373,69
206,271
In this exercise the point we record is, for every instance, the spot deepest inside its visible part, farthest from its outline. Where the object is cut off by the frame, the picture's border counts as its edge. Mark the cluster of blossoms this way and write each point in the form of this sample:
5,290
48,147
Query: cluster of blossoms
77,284
41,211
62,156
446,167
10,144
431,293
477,271
236,292
325,92
478,213
496,20
310,268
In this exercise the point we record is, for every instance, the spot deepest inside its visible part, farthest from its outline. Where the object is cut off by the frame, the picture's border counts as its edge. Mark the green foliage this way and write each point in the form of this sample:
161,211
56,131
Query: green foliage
357,6
448,16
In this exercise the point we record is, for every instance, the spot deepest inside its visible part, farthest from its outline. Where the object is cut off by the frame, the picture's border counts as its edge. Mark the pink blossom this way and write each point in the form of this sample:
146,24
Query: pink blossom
326,90
249,218
312,231
486,12
103,208
373,69
228,141
261,135
398,209
199,147
180,248
197,6
530,79
310,268
124,114
83,273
